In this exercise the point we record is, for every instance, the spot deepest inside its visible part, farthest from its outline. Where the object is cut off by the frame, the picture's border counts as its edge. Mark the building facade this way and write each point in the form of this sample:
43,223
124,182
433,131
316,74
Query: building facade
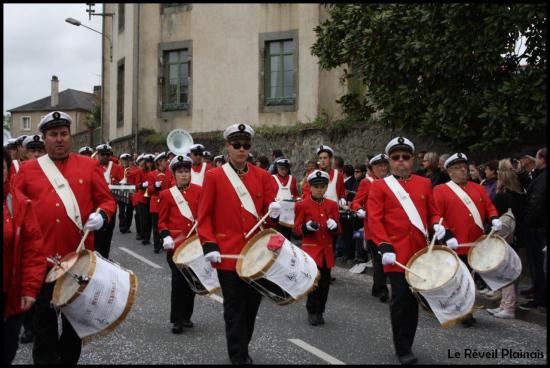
201,67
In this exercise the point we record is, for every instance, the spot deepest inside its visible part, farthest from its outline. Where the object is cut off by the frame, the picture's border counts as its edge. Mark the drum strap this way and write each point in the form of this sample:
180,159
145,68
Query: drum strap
406,202
62,188
240,189
182,204
107,173
198,177
465,198
331,190
16,164
284,191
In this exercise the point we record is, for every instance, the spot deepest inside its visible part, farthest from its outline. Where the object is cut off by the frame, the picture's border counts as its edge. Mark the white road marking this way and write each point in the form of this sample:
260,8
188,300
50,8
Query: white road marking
313,350
217,298
143,259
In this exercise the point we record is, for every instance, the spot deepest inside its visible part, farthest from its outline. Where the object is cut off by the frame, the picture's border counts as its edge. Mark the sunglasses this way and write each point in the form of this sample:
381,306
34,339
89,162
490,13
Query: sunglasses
237,146
405,157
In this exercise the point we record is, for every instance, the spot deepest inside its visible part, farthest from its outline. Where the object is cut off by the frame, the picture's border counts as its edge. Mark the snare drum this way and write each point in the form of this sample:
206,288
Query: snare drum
96,307
448,288
199,274
495,261
284,276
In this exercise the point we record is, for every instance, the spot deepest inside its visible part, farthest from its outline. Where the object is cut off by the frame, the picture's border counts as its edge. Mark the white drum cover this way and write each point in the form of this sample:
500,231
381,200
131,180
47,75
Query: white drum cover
287,213
207,274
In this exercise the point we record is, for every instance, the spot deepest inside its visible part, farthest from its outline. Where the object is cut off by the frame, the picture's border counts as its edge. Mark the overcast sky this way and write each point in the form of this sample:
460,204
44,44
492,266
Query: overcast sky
38,43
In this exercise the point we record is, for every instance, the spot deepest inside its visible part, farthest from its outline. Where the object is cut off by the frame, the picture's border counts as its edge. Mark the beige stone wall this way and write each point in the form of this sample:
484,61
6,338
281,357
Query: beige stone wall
76,116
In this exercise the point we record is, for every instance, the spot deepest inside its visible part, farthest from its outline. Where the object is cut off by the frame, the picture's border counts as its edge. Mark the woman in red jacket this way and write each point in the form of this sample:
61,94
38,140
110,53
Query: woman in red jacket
317,220
24,260
173,221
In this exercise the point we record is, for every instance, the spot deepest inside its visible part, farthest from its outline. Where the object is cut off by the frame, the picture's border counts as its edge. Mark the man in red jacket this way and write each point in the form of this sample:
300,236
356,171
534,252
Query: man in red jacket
400,210
159,179
200,166
317,222
335,190
66,189
234,197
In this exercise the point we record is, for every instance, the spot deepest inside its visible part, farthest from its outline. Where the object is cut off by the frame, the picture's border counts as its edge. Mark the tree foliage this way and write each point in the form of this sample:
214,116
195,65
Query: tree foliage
92,120
7,121
448,71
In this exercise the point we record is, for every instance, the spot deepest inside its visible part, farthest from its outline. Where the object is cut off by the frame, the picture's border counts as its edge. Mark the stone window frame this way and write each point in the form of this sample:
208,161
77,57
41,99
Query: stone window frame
162,48
121,17
120,121
165,10
23,129
263,39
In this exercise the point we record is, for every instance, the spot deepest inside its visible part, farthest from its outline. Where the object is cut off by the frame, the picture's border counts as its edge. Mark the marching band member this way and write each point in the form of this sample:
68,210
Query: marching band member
400,208
66,189
134,178
176,216
285,187
34,145
233,199
86,151
11,147
24,261
380,169
466,207
207,157
159,180
143,205
199,164
113,174
126,210
21,151
317,221
335,190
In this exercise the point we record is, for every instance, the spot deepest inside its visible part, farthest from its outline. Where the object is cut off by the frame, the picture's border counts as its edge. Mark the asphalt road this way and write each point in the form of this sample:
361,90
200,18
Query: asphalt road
357,328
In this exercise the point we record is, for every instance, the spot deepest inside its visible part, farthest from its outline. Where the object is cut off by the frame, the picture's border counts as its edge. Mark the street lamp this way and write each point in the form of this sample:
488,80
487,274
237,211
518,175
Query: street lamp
77,23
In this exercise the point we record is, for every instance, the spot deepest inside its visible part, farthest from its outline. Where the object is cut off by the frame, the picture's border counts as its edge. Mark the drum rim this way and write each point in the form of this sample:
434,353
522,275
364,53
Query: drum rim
91,270
70,254
499,264
425,250
179,248
245,249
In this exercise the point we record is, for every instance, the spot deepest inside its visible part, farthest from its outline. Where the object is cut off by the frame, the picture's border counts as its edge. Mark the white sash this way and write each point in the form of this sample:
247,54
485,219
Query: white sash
182,204
198,178
62,188
369,178
240,189
16,164
465,198
284,191
107,173
331,190
406,202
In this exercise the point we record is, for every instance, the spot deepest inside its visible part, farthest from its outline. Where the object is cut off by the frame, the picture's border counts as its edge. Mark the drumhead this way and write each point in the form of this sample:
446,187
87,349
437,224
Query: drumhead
188,251
67,288
437,268
256,257
488,253
66,263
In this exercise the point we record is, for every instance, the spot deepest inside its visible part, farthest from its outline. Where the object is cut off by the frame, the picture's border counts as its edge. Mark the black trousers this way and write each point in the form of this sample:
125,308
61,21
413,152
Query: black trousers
182,299
145,219
48,348
317,299
379,286
12,326
347,239
137,217
125,211
240,306
103,238
157,241
285,231
403,312
535,242
28,316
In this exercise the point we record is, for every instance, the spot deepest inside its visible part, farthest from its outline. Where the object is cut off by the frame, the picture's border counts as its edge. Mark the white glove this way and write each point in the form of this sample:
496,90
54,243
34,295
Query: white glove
497,224
168,243
214,256
95,222
309,226
145,184
331,224
158,183
439,231
452,243
361,213
342,202
388,258
275,209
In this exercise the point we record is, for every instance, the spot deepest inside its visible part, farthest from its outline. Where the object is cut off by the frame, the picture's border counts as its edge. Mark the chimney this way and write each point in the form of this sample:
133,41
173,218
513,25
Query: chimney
55,91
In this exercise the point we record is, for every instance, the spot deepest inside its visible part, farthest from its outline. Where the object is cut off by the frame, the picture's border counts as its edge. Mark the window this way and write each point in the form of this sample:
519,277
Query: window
172,5
176,79
26,123
121,17
279,73
120,94
169,8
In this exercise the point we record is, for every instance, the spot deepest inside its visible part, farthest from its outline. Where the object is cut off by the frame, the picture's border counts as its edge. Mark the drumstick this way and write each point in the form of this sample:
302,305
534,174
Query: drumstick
81,245
258,224
232,256
192,229
411,271
473,244
433,239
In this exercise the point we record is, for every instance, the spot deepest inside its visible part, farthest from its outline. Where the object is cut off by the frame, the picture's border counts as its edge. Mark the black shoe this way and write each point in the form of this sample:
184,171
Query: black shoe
531,304
27,337
407,359
312,319
157,250
528,292
187,324
332,279
384,298
241,361
145,242
469,322
248,360
320,319
177,328
138,237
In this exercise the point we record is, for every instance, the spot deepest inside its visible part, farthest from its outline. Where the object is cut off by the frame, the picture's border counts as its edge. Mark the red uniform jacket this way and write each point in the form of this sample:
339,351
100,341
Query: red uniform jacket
117,173
223,222
317,244
25,267
360,201
340,191
388,222
154,176
86,180
135,177
284,181
456,215
171,221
